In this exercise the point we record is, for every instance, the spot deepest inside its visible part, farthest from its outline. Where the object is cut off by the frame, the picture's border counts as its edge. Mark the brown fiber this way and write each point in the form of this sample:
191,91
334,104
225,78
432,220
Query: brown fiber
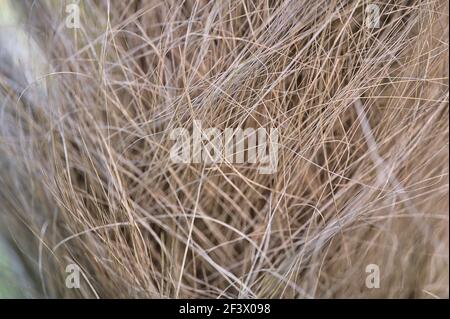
362,173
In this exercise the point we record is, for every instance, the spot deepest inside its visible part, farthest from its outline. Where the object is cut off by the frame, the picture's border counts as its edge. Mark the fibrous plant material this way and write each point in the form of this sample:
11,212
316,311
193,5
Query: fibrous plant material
356,90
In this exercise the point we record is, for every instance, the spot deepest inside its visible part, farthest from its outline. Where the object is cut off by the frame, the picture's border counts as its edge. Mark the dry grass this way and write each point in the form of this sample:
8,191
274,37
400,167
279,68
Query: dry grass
362,173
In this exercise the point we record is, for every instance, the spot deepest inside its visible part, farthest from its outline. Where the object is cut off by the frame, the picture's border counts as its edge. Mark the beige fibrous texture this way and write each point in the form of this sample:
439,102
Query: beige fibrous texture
362,174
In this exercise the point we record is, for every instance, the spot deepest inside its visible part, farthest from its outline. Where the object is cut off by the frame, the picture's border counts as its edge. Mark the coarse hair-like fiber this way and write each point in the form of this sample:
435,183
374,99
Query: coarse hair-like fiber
361,179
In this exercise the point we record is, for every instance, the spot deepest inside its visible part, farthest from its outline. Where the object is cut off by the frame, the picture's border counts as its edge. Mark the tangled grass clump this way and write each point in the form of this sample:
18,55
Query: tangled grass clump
362,171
